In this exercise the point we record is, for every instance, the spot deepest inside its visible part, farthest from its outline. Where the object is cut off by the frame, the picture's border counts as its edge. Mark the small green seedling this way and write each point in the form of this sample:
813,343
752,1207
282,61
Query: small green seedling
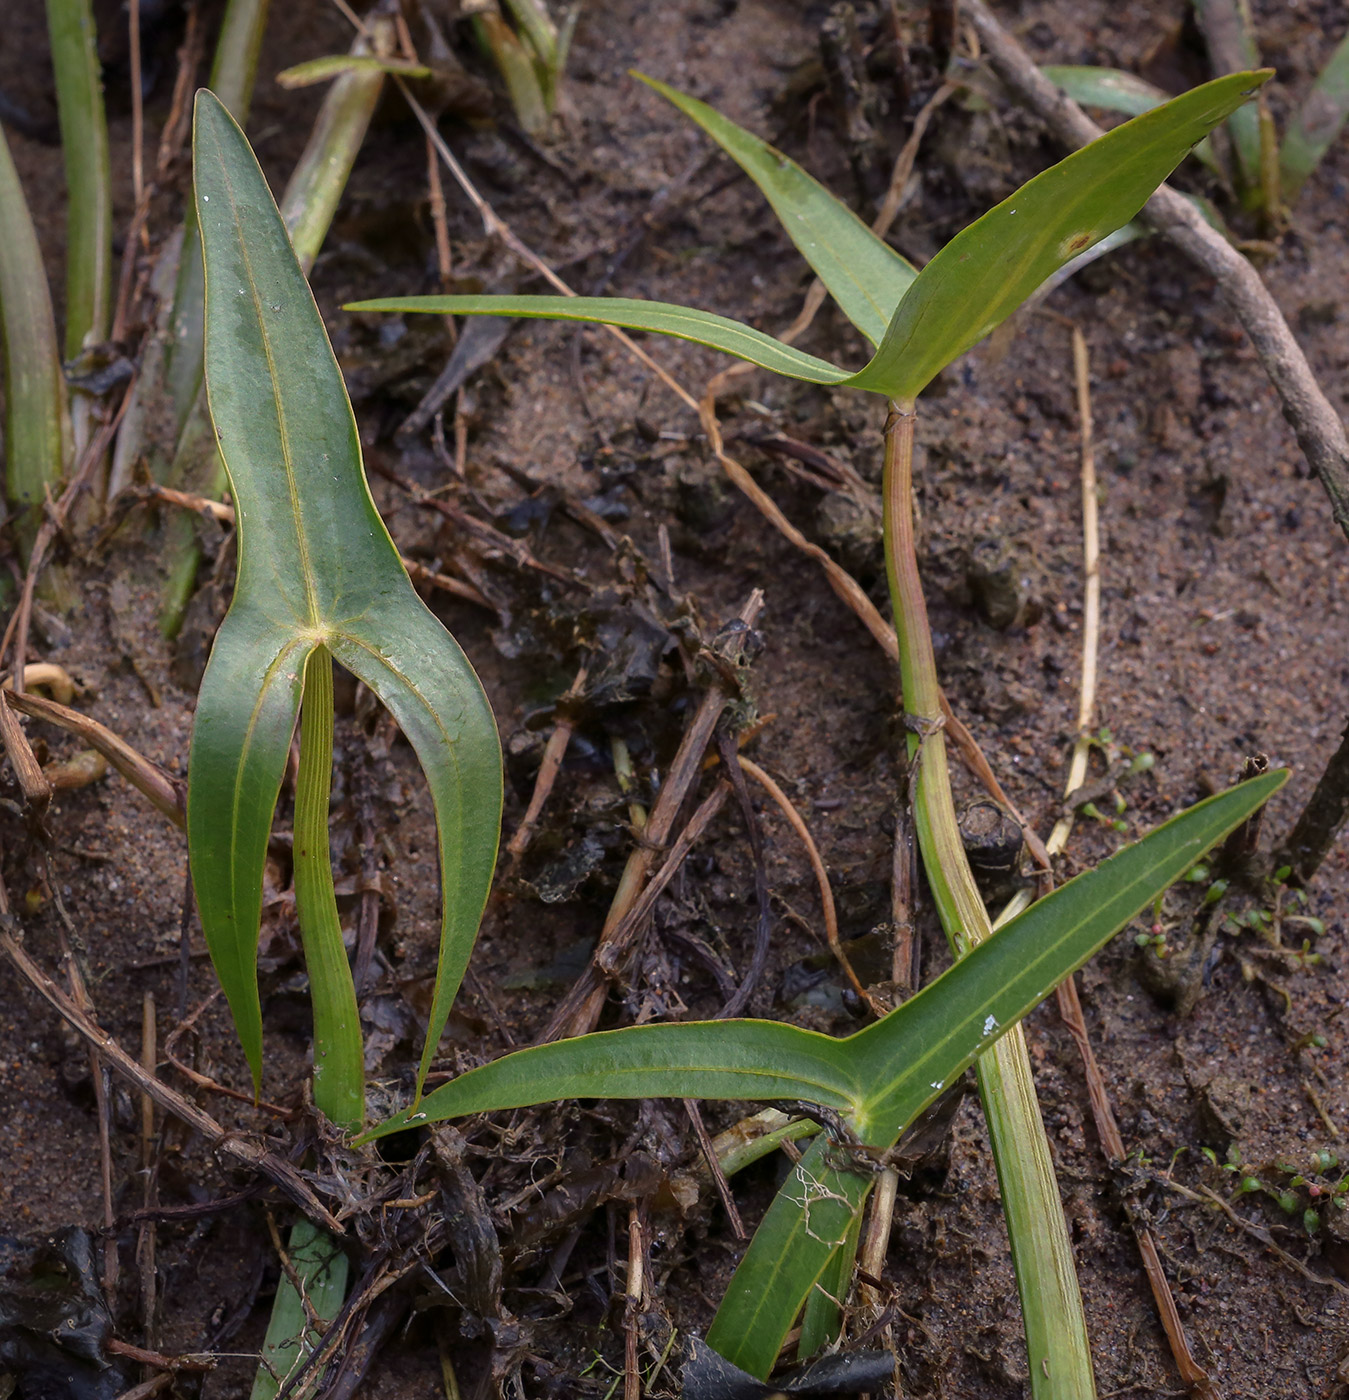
531,56
1267,173
802,1256
42,434
319,580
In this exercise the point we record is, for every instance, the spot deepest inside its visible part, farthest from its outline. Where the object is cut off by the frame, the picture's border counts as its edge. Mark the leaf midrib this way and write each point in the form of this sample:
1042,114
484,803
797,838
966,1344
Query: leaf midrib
287,458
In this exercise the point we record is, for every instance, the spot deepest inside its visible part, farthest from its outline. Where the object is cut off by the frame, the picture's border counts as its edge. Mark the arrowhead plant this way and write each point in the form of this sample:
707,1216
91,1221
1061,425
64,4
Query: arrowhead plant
319,580
799,1263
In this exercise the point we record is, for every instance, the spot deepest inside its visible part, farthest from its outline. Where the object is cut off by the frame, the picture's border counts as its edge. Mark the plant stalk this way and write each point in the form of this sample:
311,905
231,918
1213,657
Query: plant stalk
1051,1302
317,1268
339,1069
36,425
320,175
84,145
233,72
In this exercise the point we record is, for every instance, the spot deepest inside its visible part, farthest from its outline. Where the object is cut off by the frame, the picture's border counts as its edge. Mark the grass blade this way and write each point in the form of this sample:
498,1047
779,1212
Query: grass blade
1318,121
690,1059
862,272
682,322
84,146
807,1227
36,426
316,568
291,1336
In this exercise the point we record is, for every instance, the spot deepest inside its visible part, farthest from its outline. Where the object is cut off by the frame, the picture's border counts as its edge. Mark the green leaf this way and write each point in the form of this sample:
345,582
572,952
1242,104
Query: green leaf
84,148
292,1333
690,1059
969,288
1115,90
987,270
316,568
338,65
799,1243
878,1079
862,272
883,1076
682,322
1318,121
37,429
1111,89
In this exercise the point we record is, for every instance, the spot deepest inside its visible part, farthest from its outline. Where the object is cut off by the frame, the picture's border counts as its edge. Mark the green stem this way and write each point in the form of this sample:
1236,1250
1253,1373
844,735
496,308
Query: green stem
84,145
1056,1332
233,72
339,1071
36,425
320,175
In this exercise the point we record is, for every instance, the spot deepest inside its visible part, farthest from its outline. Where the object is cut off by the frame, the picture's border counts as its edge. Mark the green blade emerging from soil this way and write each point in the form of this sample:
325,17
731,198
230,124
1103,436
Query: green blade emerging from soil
316,568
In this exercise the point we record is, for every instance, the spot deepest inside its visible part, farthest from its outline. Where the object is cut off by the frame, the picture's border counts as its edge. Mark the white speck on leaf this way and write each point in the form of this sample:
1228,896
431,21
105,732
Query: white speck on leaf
990,1025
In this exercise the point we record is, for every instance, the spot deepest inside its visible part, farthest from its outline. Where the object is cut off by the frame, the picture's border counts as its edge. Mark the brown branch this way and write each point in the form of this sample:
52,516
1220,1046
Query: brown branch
1320,431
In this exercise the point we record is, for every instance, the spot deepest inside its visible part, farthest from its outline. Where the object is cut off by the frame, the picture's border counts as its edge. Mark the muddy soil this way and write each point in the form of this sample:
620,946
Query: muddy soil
1224,636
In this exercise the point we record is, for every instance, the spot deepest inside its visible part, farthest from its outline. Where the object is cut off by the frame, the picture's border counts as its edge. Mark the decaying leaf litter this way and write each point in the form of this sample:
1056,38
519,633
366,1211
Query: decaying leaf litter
1152,396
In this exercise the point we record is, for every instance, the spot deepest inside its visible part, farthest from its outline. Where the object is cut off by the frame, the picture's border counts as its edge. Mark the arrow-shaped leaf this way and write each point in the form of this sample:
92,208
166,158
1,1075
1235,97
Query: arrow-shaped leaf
879,1079
883,1076
971,286
316,568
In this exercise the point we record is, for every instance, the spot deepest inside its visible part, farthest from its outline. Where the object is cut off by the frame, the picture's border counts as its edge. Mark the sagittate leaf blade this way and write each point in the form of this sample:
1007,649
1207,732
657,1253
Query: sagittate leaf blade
988,269
862,272
316,567
682,322
698,1059
910,1056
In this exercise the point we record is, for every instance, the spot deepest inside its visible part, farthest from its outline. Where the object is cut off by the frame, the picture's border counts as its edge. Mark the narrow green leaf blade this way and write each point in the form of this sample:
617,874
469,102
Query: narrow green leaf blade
84,147
1116,90
338,65
806,1230
988,269
862,272
246,712
690,1059
682,322
916,1052
37,429
297,1324
1111,89
1318,121
316,567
